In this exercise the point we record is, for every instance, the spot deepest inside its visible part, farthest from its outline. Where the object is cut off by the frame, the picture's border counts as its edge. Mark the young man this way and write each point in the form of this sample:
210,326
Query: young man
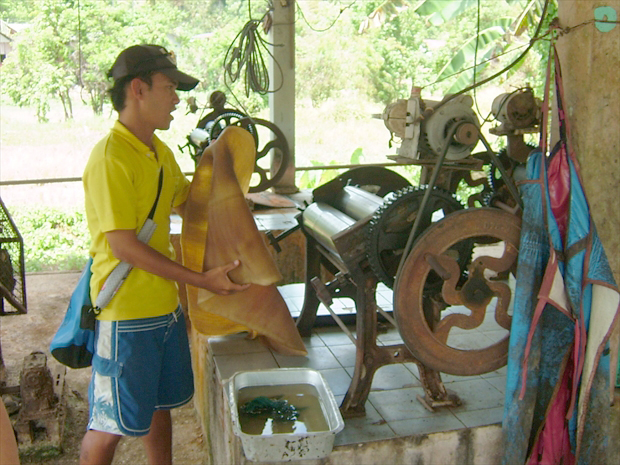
141,368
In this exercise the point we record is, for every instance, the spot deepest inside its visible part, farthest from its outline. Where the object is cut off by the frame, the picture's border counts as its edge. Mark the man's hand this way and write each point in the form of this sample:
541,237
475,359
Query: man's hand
126,247
217,280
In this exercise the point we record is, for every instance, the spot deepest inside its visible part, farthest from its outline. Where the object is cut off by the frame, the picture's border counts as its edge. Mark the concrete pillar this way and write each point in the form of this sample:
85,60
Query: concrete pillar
590,59
590,55
282,77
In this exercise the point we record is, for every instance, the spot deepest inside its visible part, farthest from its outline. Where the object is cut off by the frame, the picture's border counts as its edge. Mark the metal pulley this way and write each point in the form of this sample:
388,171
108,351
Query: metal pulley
437,125
423,125
395,117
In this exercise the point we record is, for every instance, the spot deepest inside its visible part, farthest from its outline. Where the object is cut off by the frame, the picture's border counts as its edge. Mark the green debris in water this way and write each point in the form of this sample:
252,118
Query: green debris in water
278,409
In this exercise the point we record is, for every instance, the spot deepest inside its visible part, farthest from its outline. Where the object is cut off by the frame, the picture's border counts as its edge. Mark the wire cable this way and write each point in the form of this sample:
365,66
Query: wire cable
342,10
247,58
476,57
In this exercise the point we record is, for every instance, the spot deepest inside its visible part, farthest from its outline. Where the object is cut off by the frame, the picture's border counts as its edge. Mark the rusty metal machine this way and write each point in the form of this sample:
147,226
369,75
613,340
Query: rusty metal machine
41,417
450,266
355,239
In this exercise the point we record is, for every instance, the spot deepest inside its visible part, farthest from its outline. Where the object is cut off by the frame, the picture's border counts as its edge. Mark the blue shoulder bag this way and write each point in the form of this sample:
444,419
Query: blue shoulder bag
73,345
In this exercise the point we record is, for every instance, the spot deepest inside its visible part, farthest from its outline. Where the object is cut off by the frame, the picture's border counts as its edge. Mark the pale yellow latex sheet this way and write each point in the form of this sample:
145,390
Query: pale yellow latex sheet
218,228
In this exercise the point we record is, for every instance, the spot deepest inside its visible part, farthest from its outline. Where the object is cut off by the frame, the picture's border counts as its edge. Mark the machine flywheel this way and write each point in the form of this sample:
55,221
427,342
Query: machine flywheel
476,303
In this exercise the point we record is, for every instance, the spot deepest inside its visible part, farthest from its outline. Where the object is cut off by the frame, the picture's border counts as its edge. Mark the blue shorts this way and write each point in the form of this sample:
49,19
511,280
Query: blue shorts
139,366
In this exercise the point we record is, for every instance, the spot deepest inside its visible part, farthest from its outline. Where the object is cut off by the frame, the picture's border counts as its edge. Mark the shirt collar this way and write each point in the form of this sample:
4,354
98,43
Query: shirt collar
140,146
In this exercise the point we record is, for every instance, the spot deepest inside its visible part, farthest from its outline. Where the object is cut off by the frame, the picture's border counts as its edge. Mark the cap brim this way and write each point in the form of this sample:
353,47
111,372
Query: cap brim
185,81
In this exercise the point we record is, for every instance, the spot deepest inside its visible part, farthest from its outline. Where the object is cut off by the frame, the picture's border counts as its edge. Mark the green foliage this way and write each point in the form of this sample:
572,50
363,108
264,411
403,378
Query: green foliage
330,57
54,239
478,49
442,11
74,43
411,173
13,11
464,191
309,179
433,43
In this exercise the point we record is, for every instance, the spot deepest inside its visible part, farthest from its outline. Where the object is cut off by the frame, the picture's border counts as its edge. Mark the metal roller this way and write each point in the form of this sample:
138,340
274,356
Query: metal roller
357,203
323,222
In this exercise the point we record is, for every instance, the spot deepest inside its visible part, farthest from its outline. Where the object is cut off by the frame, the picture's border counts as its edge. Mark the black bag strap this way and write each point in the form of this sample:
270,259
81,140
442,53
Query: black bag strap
119,273
161,182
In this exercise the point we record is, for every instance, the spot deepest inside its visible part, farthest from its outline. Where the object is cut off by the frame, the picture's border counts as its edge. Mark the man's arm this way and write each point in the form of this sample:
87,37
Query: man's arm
126,247
180,210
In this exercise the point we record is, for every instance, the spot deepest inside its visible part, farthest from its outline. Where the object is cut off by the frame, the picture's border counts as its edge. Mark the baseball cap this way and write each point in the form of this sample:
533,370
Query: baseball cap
143,58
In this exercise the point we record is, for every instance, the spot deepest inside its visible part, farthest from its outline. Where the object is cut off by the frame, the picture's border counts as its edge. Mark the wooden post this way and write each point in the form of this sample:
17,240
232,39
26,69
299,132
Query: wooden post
590,56
282,77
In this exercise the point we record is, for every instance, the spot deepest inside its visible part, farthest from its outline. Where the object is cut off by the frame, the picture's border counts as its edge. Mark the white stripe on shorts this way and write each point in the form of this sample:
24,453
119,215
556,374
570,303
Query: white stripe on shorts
103,403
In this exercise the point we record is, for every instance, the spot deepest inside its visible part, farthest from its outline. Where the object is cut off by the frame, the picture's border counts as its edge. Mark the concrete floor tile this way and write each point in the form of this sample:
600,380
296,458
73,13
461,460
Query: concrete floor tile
493,374
392,336
471,340
476,394
449,379
498,382
333,336
482,417
496,335
319,358
293,290
313,341
292,304
345,354
425,425
395,376
384,299
399,404
338,380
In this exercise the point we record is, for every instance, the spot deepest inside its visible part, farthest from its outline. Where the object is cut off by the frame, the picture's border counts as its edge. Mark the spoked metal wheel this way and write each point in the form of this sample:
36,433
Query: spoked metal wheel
272,151
228,118
461,328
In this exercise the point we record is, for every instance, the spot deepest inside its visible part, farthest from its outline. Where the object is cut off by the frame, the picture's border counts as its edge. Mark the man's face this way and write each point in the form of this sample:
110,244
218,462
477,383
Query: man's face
160,101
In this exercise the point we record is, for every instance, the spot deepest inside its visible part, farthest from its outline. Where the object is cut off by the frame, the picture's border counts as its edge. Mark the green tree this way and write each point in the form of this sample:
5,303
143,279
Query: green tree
42,66
13,11
107,28
73,43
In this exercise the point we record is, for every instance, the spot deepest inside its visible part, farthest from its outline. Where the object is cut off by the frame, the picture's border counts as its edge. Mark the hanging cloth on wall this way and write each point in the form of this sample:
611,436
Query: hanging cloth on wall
566,302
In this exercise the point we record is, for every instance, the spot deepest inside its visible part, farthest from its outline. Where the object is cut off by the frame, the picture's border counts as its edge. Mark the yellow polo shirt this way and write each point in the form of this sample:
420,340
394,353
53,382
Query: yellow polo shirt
120,186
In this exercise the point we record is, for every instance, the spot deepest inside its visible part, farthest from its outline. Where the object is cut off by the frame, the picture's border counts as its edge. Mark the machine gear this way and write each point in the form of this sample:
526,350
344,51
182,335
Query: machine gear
391,224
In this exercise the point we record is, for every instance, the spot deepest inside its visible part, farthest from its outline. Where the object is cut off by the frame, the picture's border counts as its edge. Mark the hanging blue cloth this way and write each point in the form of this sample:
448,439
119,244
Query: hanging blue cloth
566,301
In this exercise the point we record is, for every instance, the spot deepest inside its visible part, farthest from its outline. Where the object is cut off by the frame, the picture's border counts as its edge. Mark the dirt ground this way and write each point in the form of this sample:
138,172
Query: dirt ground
47,297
